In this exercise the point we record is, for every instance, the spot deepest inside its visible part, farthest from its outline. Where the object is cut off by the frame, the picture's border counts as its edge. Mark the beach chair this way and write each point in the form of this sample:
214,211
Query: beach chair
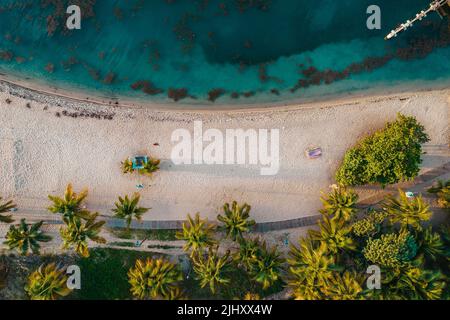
139,162
313,153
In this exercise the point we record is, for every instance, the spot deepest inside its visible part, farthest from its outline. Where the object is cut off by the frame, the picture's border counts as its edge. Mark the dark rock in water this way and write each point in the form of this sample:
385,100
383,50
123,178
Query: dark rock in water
20,60
235,95
418,47
6,55
95,74
147,87
50,67
275,92
109,78
177,94
67,64
214,94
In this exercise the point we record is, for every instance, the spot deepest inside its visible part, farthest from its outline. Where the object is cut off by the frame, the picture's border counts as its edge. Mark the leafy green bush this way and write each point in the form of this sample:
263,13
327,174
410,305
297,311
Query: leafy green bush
388,156
369,226
391,250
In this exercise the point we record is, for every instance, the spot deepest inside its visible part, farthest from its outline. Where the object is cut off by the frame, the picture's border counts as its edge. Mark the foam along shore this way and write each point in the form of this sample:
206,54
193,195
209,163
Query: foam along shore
48,140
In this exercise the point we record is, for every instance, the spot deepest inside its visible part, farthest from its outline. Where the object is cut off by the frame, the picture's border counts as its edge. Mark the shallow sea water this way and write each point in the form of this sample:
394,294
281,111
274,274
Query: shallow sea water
229,51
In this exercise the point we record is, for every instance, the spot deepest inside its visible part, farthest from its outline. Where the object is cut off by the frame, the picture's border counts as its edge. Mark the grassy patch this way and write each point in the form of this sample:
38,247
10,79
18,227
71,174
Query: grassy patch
161,247
140,234
104,274
122,244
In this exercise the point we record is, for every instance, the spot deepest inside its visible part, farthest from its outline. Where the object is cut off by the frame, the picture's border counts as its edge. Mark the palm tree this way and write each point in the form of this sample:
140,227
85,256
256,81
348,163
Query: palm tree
155,278
47,283
310,270
442,190
415,283
251,296
150,167
127,166
431,245
248,253
236,220
411,282
23,238
5,207
70,205
212,270
197,233
407,212
266,269
177,294
128,208
77,233
347,286
340,204
334,235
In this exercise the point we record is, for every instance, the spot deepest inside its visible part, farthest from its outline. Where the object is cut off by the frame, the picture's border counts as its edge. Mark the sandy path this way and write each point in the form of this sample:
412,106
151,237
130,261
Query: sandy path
41,153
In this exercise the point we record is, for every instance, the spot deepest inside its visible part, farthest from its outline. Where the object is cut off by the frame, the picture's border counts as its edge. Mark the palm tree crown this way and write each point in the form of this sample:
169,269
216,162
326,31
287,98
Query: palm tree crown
407,212
70,205
334,235
23,238
266,268
310,269
236,220
197,233
347,286
5,207
155,278
47,283
212,270
340,204
127,208
77,233
442,190
249,250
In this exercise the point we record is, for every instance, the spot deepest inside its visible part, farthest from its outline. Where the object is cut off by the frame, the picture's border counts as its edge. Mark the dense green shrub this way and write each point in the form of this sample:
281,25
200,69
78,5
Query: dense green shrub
388,156
370,225
391,250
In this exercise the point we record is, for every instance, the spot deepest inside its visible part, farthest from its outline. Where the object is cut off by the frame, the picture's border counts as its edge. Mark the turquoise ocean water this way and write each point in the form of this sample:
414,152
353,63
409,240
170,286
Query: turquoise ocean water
229,51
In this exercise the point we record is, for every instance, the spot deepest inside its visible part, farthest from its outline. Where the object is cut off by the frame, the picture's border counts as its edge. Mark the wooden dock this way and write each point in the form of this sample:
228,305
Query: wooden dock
442,7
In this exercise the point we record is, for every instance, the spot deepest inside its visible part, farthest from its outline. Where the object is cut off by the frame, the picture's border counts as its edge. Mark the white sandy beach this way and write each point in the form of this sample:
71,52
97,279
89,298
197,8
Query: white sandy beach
40,153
